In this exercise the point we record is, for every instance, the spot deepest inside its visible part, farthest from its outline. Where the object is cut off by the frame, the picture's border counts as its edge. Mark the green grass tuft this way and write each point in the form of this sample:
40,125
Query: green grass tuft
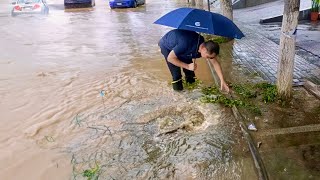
191,86
91,174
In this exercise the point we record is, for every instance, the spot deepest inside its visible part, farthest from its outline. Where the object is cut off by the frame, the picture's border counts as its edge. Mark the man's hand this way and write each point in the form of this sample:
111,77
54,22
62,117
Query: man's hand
192,67
173,59
224,87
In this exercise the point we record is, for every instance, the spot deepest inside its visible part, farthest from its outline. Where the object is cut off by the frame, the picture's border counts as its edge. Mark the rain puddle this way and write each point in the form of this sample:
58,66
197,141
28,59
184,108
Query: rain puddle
291,150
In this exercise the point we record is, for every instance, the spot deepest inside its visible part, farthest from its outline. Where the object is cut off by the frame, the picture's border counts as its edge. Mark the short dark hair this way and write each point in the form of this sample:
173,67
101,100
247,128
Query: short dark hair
212,47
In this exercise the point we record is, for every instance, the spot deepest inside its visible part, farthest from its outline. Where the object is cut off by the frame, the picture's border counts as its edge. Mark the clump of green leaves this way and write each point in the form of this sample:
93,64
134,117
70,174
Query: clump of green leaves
220,40
269,92
191,86
245,92
217,39
266,90
92,174
210,90
213,95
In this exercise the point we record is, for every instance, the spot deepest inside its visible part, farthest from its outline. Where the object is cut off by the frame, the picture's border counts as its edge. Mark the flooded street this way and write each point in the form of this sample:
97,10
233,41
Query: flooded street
88,89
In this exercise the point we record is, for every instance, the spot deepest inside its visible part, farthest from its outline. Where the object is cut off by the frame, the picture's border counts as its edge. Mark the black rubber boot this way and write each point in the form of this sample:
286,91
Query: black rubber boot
190,80
177,85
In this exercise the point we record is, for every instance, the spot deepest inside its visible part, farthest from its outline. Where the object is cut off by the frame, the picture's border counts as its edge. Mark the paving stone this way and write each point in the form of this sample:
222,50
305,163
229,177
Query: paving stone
260,54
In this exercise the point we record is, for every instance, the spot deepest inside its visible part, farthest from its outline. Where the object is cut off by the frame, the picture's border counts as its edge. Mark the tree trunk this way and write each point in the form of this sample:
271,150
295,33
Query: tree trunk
193,2
287,48
200,4
226,8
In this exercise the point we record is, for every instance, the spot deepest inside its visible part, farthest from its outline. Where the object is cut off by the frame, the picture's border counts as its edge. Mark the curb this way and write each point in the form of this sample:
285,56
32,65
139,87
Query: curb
262,172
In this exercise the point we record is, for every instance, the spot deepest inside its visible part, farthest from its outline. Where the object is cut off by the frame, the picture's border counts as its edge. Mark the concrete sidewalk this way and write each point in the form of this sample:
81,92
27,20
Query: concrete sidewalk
261,55
259,50
254,14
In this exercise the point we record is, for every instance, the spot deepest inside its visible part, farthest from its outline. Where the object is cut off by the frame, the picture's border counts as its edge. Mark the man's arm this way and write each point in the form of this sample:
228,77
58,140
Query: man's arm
173,59
217,68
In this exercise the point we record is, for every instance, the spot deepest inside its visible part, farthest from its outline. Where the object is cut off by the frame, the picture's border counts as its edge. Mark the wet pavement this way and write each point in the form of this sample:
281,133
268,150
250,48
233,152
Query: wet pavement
87,88
261,55
307,40
308,34
252,15
259,51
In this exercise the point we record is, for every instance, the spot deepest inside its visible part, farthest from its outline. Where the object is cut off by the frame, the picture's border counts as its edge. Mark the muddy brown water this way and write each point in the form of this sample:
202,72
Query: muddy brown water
86,88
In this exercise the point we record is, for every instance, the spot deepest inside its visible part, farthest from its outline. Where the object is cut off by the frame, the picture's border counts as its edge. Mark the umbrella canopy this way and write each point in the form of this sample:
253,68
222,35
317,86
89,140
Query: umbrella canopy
200,21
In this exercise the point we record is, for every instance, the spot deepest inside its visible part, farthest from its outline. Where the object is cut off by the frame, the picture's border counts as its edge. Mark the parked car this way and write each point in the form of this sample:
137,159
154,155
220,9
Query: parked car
70,3
125,3
29,7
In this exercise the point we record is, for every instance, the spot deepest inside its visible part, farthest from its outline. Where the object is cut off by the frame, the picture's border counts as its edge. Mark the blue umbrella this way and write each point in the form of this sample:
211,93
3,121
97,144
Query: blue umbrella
200,21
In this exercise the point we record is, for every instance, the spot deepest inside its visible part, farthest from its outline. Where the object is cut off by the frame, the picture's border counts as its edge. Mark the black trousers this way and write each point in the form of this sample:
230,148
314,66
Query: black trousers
175,70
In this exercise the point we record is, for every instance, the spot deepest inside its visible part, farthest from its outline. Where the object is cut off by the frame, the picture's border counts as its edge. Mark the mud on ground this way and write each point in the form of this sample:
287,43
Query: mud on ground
288,136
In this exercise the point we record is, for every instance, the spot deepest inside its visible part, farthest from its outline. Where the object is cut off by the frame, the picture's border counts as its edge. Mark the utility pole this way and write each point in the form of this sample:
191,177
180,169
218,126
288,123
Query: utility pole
209,5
